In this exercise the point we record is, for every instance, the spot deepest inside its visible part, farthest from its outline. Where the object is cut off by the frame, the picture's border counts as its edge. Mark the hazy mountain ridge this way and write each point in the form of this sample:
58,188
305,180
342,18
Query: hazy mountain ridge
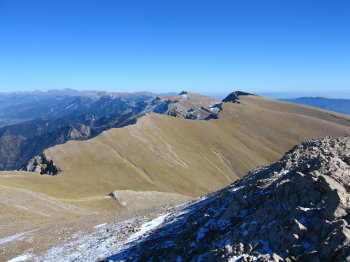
33,137
59,116
296,209
81,115
23,106
65,117
336,105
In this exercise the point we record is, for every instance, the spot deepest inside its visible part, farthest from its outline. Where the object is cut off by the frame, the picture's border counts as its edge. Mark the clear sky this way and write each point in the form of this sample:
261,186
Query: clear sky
162,46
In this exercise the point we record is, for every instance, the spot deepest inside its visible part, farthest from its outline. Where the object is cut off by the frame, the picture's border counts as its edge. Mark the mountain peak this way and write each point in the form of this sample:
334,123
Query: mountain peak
234,96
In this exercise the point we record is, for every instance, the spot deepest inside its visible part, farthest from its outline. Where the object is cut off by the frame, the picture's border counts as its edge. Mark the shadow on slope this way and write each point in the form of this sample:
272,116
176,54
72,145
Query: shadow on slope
295,209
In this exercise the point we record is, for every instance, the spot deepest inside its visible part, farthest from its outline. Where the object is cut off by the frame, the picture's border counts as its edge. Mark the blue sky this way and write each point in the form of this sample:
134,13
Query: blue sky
161,46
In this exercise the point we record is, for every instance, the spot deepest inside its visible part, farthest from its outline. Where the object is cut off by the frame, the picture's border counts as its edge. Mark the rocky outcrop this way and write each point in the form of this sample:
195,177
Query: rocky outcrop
297,209
42,165
189,106
234,97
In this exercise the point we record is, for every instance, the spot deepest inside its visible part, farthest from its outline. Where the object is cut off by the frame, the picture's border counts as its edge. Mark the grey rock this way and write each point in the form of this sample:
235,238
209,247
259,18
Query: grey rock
301,213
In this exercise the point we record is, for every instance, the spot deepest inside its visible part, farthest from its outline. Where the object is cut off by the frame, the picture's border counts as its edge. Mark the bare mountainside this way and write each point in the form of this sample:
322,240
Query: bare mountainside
194,157
297,209
166,154
57,117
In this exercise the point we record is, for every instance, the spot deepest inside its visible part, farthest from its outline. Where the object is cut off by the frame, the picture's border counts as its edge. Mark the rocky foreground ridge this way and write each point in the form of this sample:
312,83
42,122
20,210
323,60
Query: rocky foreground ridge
297,209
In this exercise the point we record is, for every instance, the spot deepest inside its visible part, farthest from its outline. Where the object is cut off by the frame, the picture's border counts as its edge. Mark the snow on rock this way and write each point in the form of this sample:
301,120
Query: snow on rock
147,227
21,258
297,209
12,238
102,240
100,225
16,237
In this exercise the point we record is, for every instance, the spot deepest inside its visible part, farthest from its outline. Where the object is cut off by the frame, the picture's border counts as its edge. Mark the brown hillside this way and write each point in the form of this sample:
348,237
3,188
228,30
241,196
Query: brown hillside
167,154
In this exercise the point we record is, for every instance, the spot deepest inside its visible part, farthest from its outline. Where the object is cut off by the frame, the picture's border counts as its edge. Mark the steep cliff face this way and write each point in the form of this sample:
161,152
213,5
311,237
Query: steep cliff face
297,209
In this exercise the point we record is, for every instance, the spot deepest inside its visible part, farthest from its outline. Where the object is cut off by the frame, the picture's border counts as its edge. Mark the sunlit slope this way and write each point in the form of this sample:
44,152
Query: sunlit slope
163,153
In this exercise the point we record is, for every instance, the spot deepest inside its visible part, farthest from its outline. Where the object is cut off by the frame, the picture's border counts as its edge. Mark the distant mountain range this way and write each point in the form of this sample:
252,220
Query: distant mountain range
336,105
30,122
34,121
19,107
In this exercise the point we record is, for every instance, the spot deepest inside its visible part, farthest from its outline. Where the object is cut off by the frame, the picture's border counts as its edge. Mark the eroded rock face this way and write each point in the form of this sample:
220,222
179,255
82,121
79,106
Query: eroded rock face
297,209
40,164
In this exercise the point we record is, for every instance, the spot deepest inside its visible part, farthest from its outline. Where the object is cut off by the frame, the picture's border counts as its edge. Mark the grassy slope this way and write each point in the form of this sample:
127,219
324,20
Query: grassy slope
167,154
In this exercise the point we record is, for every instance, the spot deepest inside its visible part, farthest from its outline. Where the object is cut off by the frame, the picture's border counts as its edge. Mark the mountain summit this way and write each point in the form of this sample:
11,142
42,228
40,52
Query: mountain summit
234,96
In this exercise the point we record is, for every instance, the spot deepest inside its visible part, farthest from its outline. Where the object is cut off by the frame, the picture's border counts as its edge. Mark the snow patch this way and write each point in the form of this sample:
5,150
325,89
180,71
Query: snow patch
307,208
236,189
148,227
101,225
245,257
20,258
84,246
285,172
16,237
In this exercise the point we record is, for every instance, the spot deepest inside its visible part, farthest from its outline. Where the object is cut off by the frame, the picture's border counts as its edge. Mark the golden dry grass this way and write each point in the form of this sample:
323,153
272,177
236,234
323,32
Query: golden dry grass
167,154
